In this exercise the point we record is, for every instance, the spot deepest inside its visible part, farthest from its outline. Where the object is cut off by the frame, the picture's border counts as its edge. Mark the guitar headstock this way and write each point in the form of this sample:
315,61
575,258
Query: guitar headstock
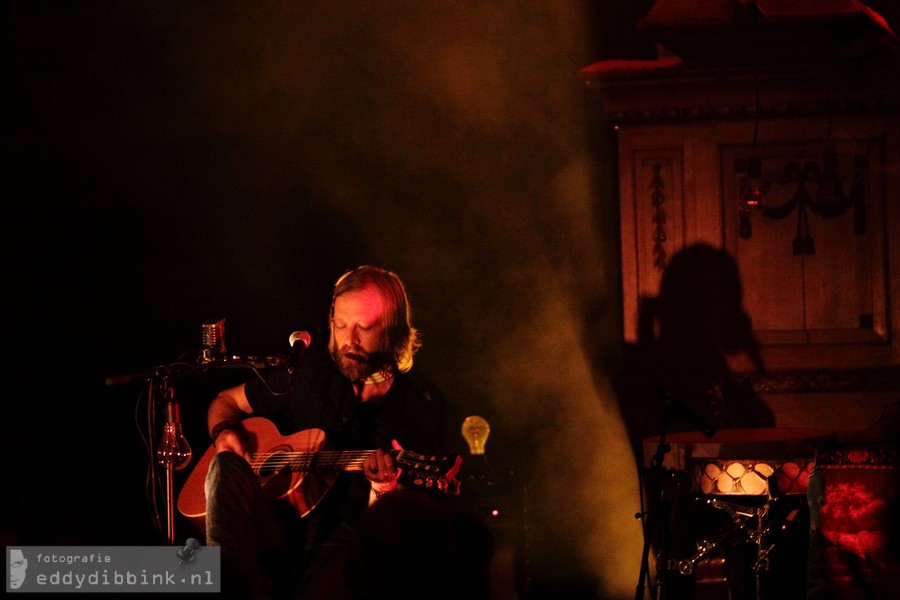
430,470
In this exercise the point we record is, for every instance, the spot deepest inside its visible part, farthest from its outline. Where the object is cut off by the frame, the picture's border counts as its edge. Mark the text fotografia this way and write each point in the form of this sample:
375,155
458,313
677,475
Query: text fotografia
104,578
69,559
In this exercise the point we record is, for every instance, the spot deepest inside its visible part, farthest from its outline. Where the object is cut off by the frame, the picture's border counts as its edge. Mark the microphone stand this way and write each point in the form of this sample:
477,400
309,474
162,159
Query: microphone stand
654,516
167,460
174,453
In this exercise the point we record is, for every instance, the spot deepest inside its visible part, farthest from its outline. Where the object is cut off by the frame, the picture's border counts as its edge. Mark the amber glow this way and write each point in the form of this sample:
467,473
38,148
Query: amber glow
588,493
476,430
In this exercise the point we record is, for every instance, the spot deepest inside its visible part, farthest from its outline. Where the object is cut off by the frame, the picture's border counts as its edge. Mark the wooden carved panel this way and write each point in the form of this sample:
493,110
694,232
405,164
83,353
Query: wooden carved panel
652,223
812,255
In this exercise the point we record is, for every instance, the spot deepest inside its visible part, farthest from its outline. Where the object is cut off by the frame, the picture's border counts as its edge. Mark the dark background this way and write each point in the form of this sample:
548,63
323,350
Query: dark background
169,162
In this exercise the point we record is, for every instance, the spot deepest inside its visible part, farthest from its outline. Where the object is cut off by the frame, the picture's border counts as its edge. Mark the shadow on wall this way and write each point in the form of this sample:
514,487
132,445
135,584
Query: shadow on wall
677,378
685,335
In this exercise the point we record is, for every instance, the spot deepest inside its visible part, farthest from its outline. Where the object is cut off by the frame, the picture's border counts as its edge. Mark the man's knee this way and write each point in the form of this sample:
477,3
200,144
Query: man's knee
227,465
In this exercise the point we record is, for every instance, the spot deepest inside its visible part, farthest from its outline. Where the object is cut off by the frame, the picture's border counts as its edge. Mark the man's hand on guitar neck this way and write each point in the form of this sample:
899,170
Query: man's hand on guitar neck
381,472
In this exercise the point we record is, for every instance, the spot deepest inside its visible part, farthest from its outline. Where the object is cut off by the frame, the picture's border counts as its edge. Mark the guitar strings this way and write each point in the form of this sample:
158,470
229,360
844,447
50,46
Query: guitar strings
346,460
325,460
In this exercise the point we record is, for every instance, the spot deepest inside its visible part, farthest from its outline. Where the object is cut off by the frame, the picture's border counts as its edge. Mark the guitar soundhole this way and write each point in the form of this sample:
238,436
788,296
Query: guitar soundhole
275,463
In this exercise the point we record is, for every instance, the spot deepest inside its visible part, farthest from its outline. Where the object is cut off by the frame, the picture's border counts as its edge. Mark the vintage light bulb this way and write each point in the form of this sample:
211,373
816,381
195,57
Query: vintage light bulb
174,450
476,430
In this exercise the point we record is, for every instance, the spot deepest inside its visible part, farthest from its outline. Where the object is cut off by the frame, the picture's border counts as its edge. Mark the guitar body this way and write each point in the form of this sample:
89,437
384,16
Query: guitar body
297,469
268,448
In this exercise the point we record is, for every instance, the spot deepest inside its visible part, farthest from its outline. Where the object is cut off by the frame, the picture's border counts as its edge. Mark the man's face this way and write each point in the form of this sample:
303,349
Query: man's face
17,566
357,333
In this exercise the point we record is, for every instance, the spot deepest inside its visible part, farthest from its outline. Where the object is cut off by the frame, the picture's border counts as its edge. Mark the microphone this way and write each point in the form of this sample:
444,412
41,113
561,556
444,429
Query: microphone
299,341
213,341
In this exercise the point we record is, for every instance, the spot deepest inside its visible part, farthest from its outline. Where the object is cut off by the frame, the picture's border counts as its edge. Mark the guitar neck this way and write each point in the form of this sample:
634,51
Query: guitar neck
325,460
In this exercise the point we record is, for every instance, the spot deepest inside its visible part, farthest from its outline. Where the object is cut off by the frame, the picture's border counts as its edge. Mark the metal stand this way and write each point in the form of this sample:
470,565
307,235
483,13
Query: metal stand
656,519
655,516
174,453
759,529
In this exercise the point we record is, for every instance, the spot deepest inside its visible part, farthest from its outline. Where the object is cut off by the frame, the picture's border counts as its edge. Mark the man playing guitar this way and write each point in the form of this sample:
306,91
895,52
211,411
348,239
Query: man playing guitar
355,391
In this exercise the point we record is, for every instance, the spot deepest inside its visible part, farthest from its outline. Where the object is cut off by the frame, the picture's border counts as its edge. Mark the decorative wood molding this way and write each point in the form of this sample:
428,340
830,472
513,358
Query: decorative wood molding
658,201
684,114
817,189
814,381
683,94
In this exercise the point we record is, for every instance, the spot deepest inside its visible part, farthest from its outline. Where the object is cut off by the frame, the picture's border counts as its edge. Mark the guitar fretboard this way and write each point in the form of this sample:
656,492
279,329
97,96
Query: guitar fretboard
326,460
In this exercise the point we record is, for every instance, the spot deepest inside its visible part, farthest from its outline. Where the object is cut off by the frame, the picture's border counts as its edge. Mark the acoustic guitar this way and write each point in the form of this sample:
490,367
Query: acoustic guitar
295,467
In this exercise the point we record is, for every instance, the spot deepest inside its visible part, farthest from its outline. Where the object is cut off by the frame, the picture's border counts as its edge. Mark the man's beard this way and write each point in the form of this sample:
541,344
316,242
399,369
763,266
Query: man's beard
356,364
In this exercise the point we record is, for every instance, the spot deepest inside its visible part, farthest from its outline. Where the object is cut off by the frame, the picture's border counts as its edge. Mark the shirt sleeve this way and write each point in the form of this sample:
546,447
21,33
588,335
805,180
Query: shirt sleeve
267,392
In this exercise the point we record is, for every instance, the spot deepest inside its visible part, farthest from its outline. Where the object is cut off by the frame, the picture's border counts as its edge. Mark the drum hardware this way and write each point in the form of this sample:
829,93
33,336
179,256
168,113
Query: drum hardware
726,549
655,520
704,547
756,523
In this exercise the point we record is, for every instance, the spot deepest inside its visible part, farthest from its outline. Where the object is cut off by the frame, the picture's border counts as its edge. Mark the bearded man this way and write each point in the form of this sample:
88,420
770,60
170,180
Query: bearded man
356,391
